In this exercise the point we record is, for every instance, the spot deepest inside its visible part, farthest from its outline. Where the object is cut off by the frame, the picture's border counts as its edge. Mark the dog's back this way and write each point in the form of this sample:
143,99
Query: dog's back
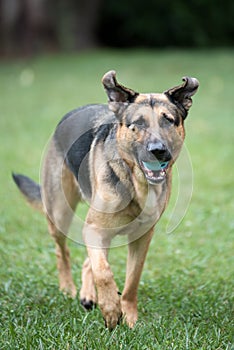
72,141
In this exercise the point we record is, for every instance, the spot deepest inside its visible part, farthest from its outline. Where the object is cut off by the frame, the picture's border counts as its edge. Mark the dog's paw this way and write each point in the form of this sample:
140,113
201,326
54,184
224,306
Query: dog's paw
88,304
111,310
130,314
130,320
112,320
88,297
68,290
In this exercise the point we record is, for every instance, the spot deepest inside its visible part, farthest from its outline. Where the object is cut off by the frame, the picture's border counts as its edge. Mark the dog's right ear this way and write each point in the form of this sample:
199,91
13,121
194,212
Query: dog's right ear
118,95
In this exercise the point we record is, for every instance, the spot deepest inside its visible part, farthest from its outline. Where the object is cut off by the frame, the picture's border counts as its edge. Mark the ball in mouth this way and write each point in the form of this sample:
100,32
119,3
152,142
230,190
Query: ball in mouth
155,171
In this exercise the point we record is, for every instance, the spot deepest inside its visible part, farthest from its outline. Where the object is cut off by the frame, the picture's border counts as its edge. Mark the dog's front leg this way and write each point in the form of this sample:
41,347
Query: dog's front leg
137,251
108,298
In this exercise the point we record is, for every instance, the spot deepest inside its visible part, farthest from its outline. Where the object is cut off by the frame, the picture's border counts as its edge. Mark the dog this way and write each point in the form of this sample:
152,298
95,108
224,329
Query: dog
119,158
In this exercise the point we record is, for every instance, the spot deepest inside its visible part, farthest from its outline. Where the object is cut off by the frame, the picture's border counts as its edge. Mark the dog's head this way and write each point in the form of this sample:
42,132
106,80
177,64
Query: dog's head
151,126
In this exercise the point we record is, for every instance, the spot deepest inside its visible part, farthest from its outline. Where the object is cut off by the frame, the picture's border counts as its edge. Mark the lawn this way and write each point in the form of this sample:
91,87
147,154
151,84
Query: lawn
186,290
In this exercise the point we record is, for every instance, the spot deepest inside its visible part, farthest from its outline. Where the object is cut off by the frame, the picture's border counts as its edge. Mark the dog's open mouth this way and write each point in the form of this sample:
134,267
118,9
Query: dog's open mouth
155,171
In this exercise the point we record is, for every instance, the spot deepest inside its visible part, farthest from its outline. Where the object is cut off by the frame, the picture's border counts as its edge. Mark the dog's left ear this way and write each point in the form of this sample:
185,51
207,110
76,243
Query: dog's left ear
118,95
181,95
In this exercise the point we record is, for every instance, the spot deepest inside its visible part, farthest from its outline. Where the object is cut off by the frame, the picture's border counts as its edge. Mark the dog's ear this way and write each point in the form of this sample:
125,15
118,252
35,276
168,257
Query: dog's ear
118,95
181,95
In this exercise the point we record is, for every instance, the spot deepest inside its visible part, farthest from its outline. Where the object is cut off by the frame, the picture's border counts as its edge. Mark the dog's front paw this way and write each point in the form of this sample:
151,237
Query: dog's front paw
68,289
130,320
111,311
112,319
130,314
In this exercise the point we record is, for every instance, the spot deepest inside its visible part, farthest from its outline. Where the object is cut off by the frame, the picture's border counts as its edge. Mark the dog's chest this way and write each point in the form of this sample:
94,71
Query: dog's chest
146,212
153,203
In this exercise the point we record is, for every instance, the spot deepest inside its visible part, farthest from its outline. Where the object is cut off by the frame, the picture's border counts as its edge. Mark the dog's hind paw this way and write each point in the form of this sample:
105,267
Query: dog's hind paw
88,304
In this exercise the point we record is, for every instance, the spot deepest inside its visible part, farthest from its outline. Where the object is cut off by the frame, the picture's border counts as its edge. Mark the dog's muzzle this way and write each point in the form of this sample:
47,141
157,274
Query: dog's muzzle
159,151
157,162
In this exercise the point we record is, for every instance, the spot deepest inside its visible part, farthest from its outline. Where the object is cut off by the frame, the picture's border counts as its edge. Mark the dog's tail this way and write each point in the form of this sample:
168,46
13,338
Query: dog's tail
30,189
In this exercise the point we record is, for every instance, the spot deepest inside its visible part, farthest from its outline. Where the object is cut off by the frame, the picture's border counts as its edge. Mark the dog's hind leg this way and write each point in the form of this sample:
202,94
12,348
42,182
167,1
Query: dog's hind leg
63,260
88,296
60,195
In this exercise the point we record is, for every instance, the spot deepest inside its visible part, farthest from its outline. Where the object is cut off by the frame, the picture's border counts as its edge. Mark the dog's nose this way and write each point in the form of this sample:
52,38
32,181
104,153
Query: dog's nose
159,150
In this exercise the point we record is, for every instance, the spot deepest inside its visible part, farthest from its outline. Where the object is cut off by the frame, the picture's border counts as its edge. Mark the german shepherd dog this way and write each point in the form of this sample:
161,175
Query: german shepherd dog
119,158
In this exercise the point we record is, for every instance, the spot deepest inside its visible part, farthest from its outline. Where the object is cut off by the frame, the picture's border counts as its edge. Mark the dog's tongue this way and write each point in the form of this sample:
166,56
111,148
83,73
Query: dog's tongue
155,165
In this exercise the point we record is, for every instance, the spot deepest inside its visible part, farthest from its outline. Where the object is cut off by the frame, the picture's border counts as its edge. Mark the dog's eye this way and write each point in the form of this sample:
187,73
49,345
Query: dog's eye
168,118
141,122
138,123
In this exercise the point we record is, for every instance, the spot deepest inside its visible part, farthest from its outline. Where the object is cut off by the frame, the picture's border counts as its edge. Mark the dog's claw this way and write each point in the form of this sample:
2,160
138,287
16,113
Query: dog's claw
113,322
87,304
120,319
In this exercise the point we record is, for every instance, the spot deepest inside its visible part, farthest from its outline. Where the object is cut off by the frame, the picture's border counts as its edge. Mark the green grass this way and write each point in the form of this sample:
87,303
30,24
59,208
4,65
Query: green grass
186,290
